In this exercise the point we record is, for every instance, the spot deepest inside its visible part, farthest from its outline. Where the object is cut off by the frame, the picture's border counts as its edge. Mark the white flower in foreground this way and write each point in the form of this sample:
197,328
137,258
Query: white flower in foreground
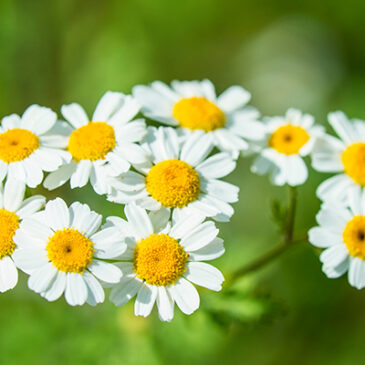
31,144
63,251
162,262
12,210
179,178
345,156
288,139
193,105
341,232
102,147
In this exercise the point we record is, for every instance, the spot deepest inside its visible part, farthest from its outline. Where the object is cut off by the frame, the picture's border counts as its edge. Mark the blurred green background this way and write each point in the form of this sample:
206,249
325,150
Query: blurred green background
308,54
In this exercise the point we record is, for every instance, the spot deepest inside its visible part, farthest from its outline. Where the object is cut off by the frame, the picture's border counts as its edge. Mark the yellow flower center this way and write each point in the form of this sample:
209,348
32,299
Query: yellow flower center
354,236
173,183
69,250
289,139
159,259
92,141
353,159
198,113
9,223
17,144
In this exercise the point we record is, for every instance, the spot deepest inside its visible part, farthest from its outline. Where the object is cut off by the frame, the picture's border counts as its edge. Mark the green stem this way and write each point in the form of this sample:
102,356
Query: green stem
286,243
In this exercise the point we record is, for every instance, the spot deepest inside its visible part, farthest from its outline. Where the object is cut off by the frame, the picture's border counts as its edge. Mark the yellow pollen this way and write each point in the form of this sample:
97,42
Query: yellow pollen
9,223
159,260
173,183
69,250
353,159
354,236
92,141
198,113
289,139
17,144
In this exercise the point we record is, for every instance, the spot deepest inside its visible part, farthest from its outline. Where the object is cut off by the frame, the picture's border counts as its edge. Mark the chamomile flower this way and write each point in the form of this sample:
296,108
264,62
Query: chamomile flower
179,178
62,249
163,259
193,105
31,144
288,139
344,155
102,147
13,209
341,233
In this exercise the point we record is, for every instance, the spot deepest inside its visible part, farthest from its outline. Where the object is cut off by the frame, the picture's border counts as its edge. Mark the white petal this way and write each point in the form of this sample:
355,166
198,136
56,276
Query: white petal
334,255
216,166
196,148
30,206
145,300
10,122
343,127
125,290
163,143
57,214
95,290
13,194
356,274
126,112
159,219
36,229
185,296
38,119
81,175
57,287
139,220
105,271
205,275
59,177
75,114
200,236
165,304
233,98
183,226
107,106
211,251
132,152
76,289
8,274
220,189
30,259
297,170
83,219
323,238
335,221
48,159
41,278
33,171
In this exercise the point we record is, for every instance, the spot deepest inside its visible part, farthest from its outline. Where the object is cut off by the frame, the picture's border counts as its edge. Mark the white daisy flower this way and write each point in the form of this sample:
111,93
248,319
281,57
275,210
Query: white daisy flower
344,155
62,250
102,147
341,233
13,209
162,262
193,105
288,139
31,144
179,178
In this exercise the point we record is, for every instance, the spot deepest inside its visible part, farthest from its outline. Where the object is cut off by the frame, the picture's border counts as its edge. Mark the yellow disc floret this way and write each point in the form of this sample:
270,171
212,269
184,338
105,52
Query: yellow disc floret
17,144
198,113
289,139
354,236
159,259
69,250
173,183
92,141
353,159
9,223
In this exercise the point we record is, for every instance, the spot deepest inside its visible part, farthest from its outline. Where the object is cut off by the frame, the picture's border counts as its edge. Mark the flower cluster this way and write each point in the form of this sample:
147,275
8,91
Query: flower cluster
169,179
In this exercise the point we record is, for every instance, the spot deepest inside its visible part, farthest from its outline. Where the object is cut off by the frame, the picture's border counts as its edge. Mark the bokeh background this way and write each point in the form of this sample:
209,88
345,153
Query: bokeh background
308,54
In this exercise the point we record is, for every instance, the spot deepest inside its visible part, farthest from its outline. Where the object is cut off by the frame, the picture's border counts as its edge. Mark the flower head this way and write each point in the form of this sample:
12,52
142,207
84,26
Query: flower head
164,258
63,251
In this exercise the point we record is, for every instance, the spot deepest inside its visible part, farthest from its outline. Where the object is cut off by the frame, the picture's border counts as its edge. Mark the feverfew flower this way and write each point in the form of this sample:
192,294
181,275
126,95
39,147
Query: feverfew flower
13,209
193,105
62,250
179,178
163,259
341,233
31,144
344,156
102,147
288,139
